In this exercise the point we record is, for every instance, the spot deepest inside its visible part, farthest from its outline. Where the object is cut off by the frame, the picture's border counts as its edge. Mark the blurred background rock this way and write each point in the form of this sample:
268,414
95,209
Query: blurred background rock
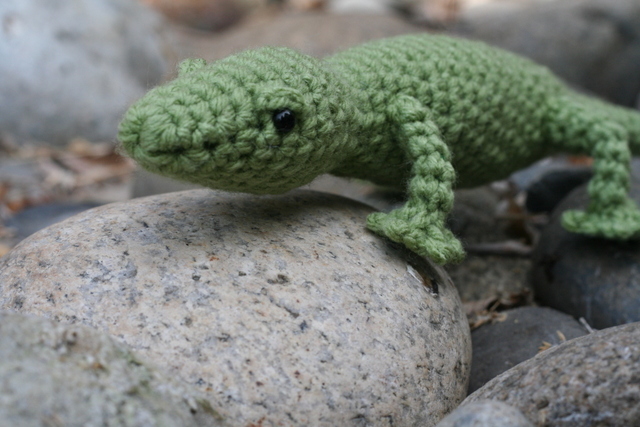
70,69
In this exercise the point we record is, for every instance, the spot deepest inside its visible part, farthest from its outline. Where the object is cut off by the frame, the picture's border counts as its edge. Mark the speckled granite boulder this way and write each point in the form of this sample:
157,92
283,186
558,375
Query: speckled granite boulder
485,413
285,309
589,381
70,375
517,337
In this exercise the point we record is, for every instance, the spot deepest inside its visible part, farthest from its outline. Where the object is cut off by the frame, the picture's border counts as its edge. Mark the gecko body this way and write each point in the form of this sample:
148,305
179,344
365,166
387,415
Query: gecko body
422,113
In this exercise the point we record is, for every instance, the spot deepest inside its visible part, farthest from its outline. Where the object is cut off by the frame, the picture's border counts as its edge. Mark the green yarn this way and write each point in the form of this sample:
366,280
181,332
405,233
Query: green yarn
422,113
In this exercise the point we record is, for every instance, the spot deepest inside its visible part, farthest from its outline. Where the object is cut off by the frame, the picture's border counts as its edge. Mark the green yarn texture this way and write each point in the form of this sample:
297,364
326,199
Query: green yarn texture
422,113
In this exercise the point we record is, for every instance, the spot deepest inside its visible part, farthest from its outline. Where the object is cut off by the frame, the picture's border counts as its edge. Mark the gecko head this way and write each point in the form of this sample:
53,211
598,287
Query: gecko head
262,121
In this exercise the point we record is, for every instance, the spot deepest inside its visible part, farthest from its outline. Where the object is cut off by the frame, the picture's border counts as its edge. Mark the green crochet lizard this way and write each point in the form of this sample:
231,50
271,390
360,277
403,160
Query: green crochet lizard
421,112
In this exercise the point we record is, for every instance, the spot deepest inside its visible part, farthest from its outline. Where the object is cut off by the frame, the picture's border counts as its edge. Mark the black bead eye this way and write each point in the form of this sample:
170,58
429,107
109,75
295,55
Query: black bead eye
284,120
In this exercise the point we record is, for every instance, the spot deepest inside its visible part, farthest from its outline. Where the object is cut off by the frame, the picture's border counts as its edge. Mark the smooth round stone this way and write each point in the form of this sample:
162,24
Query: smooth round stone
518,337
284,309
597,279
54,374
71,69
588,381
485,413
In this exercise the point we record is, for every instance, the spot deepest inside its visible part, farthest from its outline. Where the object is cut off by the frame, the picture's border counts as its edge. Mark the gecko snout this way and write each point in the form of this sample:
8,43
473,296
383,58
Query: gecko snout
151,130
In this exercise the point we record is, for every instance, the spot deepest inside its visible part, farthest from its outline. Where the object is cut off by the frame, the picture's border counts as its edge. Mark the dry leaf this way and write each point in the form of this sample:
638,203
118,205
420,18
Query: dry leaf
545,346
490,309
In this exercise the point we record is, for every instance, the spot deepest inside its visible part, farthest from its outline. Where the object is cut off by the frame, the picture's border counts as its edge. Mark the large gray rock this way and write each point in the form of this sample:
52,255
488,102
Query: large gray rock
589,381
70,69
592,44
486,413
285,309
70,375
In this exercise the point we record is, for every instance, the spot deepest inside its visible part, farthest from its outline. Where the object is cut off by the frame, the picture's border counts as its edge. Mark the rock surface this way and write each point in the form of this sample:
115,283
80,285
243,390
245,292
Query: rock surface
597,279
592,44
485,413
70,69
284,309
70,375
517,337
589,381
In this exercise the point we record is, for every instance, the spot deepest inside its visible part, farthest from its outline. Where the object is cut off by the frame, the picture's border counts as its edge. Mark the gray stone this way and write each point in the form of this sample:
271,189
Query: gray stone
485,413
593,44
597,279
589,381
517,337
70,375
70,69
284,309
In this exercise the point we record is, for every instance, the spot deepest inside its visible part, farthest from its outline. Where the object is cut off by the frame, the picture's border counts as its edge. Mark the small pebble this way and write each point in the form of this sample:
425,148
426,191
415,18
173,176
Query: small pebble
485,413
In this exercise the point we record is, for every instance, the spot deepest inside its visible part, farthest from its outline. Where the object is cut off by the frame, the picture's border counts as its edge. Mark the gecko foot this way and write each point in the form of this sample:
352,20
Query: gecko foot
617,223
433,241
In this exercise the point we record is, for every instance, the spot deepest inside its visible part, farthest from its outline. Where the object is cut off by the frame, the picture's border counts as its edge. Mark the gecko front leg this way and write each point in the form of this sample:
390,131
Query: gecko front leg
420,223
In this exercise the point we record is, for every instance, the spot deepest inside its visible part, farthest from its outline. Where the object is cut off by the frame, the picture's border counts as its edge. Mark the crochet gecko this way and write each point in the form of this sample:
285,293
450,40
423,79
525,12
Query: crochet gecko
423,113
